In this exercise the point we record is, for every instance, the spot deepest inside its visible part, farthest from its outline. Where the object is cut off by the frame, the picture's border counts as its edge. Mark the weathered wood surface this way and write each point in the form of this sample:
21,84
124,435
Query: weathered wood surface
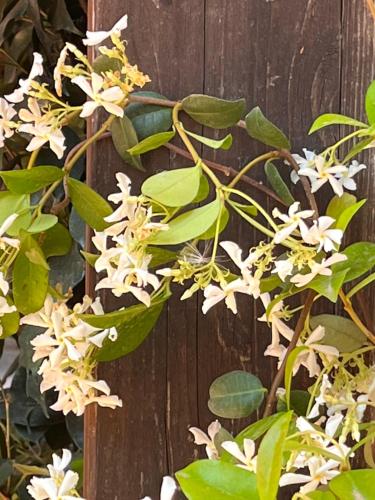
296,59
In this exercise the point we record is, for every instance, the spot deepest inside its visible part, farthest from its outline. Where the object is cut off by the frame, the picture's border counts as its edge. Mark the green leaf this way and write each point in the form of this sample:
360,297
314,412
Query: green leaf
334,119
235,394
124,137
188,225
354,485
340,203
225,143
42,223
131,333
321,495
210,233
151,142
215,480
204,189
299,402
277,183
11,203
292,358
360,146
149,119
258,428
89,204
248,209
346,215
328,286
173,188
270,457
340,332
360,259
90,258
213,112
6,470
56,241
270,283
10,322
370,103
30,277
30,181
104,63
261,129
160,256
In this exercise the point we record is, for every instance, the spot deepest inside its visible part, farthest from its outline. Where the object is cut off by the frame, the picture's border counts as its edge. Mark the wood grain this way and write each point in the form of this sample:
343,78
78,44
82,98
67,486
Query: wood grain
294,58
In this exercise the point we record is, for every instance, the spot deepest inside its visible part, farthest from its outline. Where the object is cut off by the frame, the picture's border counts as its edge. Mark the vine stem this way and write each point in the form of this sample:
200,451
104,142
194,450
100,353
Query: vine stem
355,318
292,344
32,159
251,164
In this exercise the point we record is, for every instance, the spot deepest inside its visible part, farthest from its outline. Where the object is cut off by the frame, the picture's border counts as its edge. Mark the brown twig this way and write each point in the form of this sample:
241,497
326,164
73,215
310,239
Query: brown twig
293,343
355,318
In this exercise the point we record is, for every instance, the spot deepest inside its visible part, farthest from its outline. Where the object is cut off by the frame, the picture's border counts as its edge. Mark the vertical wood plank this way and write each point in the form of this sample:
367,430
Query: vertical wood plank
294,58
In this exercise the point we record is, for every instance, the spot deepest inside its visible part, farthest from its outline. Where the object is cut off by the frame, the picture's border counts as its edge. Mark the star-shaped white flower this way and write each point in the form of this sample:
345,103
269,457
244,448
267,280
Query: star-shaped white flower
321,172
246,457
96,37
44,133
283,267
308,358
108,98
24,85
277,325
292,221
318,268
4,240
346,178
168,489
201,438
320,234
57,72
215,294
7,126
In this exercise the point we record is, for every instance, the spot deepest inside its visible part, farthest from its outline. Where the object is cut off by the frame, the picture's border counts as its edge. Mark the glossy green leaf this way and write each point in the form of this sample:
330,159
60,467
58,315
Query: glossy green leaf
334,119
216,480
213,112
298,402
354,485
203,190
346,215
258,428
277,183
151,142
30,181
173,188
161,256
340,203
149,119
370,103
42,223
248,209
261,129
321,495
328,286
224,143
236,394
360,259
11,203
288,375
131,333
56,241
210,233
9,322
188,225
67,270
124,137
89,204
90,258
30,276
270,455
357,148
270,283
340,332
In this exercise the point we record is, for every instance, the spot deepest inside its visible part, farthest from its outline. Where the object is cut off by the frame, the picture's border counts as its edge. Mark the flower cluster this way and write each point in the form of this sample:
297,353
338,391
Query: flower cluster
66,347
46,114
61,485
123,246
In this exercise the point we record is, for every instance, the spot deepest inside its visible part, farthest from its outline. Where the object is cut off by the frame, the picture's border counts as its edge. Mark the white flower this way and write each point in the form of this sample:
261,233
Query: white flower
320,234
24,85
307,162
283,268
277,325
308,358
60,485
4,285
58,69
318,268
346,178
168,489
4,240
321,172
45,133
7,126
214,294
321,398
235,253
292,221
96,37
247,458
208,439
320,472
108,98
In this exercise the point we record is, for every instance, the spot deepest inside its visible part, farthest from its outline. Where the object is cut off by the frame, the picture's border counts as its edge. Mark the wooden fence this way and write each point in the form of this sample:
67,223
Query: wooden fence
295,59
